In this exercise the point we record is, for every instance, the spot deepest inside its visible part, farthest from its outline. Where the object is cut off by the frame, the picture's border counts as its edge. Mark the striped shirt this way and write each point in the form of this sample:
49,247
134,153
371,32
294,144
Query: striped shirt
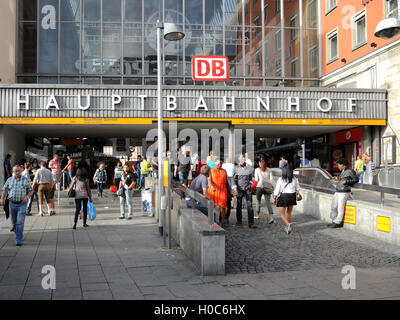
17,189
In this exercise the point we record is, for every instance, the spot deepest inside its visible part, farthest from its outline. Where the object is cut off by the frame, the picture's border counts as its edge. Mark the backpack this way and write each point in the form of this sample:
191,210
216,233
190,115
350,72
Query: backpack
101,175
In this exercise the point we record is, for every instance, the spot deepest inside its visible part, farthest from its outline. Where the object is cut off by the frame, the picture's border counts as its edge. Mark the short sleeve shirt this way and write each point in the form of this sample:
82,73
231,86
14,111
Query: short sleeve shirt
70,167
43,175
7,164
199,183
55,163
119,171
17,188
128,178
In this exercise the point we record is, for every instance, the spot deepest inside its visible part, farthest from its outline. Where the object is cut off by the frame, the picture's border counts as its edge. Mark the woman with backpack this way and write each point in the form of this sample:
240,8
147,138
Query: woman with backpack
100,178
82,194
285,196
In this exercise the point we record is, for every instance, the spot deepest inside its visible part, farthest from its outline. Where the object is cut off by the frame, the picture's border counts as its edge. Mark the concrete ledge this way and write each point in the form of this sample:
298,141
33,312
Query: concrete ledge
318,204
203,244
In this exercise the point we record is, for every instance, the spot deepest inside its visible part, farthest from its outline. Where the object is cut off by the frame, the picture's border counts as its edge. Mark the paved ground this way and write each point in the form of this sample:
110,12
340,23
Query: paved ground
124,259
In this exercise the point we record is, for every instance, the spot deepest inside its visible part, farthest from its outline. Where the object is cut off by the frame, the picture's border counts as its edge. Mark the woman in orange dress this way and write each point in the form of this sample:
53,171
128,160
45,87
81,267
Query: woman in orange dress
217,188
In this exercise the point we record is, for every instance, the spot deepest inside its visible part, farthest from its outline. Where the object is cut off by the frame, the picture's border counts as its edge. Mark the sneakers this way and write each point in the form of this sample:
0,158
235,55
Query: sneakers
271,221
85,225
336,225
121,217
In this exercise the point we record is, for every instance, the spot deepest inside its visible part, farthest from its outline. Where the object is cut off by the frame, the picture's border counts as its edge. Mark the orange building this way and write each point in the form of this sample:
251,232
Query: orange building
347,30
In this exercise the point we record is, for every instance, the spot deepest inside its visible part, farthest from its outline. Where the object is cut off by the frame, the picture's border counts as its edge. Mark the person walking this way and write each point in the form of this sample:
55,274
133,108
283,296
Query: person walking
128,182
217,189
137,167
17,190
369,169
34,194
347,178
144,172
70,169
359,168
265,187
7,167
83,194
242,180
55,166
53,185
285,193
43,179
100,178
183,168
229,167
118,171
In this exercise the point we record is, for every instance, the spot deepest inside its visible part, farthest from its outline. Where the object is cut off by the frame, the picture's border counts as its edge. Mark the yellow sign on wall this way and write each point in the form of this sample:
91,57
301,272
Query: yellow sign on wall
350,215
383,224
165,173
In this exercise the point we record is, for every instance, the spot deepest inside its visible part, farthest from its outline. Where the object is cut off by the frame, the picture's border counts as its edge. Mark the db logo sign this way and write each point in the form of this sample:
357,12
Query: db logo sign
210,68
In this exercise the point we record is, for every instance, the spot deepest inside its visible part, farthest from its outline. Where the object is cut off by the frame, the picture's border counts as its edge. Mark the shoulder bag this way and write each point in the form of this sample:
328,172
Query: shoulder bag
71,191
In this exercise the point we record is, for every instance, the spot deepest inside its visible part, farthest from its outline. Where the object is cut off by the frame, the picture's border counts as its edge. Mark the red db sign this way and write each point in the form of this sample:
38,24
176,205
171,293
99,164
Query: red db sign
210,68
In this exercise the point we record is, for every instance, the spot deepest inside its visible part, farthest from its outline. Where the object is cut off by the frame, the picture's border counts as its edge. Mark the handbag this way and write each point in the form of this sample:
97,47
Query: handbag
298,196
120,192
71,191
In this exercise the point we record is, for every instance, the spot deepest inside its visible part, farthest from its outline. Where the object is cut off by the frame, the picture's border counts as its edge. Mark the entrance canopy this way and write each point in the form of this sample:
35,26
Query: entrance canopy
127,105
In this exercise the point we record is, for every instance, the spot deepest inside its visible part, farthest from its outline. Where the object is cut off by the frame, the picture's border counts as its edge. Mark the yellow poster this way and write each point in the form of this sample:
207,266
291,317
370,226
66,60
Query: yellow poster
165,173
383,224
350,215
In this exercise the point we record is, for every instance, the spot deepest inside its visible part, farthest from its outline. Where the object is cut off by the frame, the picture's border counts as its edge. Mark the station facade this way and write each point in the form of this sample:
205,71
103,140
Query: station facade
77,70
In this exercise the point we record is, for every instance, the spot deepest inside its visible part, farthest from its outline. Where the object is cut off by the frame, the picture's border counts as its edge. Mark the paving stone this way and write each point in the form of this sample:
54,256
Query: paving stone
11,292
97,295
65,293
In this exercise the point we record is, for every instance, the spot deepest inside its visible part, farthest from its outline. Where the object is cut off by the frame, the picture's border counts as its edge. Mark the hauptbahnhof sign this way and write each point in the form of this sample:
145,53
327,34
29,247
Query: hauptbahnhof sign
134,104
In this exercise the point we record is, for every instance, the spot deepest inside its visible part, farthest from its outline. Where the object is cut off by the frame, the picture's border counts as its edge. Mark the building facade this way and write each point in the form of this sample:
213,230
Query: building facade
88,68
354,58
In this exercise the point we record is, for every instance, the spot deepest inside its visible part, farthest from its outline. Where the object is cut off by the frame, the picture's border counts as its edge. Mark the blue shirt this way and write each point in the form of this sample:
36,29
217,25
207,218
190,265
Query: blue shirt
17,188
7,164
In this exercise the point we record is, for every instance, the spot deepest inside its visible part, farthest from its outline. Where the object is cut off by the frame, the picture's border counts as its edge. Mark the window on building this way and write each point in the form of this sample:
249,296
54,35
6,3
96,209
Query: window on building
312,60
256,23
266,14
293,28
332,46
312,13
277,6
278,41
391,8
293,67
330,5
359,29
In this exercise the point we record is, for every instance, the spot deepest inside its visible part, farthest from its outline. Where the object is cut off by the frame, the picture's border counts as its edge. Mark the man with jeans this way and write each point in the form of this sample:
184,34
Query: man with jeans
242,180
346,180
18,190
128,182
183,168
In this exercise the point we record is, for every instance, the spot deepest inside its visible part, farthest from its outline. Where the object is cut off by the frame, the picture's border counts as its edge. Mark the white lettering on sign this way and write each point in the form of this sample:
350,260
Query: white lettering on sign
52,103
210,68
21,101
142,97
265,104
295,103
227,103
328,101
224,103
201,104
116,99
351,104
171,103
87,102
49,20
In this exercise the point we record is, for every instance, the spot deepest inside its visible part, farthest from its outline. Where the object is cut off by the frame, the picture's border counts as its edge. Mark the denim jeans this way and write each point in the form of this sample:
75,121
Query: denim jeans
78,207
142,178
361,177
17,212
267,196
29,206
249,200
100,187
128,200
198,206
69,177
183,177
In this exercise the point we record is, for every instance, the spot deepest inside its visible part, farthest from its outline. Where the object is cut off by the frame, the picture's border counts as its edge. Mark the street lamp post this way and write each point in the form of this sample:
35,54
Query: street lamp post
171,33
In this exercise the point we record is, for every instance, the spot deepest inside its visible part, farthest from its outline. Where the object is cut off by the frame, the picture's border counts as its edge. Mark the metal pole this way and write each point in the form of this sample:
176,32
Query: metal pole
169,206
159,108
303,148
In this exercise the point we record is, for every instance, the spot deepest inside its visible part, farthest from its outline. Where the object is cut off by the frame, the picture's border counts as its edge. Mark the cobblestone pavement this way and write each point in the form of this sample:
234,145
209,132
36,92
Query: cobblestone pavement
311,245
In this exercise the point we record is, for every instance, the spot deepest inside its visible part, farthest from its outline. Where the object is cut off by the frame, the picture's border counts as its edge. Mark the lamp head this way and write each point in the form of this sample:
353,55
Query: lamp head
387,28
172,32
